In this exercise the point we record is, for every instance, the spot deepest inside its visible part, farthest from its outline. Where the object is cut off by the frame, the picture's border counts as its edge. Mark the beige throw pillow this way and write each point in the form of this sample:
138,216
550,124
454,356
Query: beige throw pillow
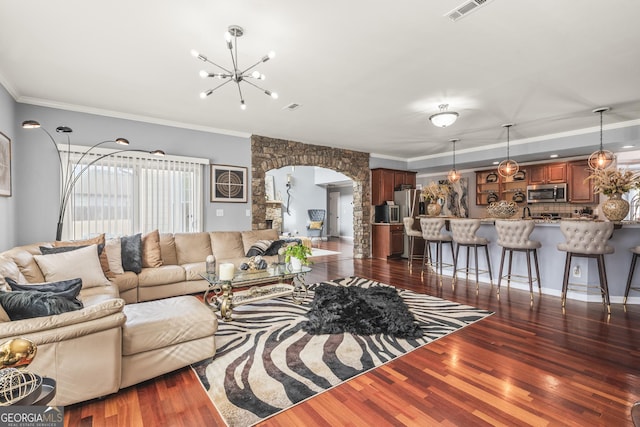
114,255
151,257
83,263
98,240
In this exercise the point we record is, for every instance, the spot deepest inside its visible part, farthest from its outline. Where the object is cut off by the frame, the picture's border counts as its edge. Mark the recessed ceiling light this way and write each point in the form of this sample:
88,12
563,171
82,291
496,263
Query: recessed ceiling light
553,156
628,146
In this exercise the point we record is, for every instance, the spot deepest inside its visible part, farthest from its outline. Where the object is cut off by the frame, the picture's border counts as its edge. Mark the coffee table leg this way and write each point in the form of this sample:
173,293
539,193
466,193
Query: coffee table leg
299,289
226,307
211,296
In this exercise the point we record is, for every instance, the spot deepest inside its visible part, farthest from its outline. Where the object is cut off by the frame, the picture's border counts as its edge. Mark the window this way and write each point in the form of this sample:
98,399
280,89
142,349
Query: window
130,192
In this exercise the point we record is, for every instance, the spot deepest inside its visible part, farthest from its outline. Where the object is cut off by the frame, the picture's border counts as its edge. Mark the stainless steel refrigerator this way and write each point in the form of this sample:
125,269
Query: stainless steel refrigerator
408,202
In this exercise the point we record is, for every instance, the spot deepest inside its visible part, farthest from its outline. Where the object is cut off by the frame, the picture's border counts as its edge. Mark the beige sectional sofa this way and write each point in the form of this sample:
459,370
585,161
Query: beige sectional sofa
133,327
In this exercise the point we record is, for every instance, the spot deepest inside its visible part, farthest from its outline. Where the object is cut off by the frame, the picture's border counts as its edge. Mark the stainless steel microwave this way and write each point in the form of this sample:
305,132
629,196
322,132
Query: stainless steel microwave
546,193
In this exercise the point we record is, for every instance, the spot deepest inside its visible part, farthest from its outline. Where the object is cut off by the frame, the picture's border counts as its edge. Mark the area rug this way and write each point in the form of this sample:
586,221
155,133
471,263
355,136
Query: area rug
322,252
266,363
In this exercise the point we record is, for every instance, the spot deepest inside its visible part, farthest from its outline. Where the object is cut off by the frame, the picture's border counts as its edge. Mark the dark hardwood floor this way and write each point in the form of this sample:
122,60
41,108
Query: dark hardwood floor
524,365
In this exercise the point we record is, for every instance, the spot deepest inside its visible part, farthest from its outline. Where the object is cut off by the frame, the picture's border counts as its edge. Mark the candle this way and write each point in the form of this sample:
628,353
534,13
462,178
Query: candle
227,270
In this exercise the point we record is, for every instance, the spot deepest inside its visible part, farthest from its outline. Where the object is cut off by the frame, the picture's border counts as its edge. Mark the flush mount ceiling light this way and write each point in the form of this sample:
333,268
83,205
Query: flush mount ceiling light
508,167
602,158
444,118
453,175
235,75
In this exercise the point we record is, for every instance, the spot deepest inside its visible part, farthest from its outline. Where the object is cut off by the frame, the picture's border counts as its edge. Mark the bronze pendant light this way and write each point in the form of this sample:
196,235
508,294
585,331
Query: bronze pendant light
508,167
453,175
601,159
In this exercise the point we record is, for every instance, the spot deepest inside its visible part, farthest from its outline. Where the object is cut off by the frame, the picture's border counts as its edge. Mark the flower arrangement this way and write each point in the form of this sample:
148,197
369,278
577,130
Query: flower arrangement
612,181
435,191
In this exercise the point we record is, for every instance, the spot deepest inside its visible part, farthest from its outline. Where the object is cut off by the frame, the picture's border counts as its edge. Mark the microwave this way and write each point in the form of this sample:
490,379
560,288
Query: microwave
387,213
546,193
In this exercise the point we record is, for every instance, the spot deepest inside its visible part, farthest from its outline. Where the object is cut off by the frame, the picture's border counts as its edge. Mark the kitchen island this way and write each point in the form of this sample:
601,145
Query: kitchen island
551,260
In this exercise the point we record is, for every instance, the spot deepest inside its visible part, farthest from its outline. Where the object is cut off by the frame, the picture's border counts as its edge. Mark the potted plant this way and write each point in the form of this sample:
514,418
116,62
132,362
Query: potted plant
297,255
435,194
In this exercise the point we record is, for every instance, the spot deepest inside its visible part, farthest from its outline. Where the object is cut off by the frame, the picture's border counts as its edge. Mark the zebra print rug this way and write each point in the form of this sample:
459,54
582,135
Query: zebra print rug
265,363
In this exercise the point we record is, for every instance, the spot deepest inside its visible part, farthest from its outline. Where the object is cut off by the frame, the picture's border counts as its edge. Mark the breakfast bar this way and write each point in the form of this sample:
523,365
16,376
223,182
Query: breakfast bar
551,260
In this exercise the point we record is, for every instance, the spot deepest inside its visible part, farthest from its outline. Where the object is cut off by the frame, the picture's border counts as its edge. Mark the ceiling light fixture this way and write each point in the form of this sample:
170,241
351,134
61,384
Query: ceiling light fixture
236,75
508,167
444,118
453,174
602,158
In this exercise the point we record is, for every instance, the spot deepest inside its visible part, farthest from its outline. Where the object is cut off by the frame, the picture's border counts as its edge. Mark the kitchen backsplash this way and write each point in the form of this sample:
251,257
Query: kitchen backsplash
565,210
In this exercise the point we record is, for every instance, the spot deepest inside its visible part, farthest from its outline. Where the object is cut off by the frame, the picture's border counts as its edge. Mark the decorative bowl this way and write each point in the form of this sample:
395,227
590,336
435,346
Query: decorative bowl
502,209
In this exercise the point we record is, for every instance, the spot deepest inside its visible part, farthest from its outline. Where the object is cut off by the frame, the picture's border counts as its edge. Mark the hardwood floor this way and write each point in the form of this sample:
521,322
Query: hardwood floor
524,365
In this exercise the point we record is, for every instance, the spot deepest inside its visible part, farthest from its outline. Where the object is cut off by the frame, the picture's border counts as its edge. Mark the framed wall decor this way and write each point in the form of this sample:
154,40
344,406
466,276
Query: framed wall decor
5,165
228,184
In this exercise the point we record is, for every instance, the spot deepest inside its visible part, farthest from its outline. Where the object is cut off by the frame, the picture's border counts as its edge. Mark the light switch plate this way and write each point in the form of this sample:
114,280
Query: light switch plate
219,212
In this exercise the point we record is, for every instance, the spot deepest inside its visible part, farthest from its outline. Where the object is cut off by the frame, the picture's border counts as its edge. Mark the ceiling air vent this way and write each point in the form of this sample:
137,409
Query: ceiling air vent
465,8
292,106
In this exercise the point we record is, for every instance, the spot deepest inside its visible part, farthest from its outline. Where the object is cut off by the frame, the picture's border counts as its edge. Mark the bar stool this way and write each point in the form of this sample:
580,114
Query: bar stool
587,239
431,233
464,234
411,234
636,252
513,236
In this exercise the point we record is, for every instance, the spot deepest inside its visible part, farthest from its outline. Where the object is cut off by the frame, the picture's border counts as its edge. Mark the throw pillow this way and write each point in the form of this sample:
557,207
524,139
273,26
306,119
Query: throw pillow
83,263
360,311
28,304
151,257
98,240
274,247
132,253
315,225
114,255
45,250
66,288
259,247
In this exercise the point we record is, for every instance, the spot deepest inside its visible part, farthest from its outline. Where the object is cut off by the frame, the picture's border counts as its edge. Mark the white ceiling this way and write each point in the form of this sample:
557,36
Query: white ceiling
367,73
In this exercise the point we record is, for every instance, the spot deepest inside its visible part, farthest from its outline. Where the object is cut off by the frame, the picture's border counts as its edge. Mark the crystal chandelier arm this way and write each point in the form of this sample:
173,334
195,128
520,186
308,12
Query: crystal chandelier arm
210,91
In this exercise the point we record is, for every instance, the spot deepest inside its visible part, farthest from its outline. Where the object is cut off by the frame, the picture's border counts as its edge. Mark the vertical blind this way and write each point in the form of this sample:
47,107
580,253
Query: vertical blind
131,192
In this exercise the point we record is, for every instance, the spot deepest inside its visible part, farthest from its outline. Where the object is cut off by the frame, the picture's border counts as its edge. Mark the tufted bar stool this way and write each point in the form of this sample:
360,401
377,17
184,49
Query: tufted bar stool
513,236
411,234
432,233
588,239
464,234
636,253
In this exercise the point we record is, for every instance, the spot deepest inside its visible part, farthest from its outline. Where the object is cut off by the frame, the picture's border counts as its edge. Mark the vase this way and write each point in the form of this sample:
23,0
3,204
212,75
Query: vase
433,209
616,208
296,264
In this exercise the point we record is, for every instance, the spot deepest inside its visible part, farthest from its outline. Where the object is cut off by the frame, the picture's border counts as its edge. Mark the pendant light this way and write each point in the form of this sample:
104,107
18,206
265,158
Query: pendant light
508,167
602,158
453,174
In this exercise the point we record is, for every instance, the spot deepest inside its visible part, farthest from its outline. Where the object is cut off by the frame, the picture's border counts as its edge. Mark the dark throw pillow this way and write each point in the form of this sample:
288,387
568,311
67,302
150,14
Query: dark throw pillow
360,311
28,304
275,246
44,250
65,288
131,253
259,247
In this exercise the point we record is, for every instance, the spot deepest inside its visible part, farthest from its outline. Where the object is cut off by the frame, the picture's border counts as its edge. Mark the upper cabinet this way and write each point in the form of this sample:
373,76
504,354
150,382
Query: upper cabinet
553,173
385,181
579,190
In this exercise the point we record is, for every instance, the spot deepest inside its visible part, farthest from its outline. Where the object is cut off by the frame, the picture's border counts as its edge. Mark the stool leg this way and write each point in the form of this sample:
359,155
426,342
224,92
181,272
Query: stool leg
439,256
475,251
455,265
528,255
631,270
510,264
424,255
535,259
501,265
453,256
604,285
467,272
486,254
565,280
411,242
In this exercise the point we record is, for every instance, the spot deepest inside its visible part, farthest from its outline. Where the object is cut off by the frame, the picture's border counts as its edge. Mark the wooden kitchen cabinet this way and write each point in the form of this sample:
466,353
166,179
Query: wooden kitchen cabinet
579,190
385,181
554,173
387,240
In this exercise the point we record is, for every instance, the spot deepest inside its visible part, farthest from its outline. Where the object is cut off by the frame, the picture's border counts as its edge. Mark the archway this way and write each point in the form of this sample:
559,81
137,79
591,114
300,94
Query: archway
270,153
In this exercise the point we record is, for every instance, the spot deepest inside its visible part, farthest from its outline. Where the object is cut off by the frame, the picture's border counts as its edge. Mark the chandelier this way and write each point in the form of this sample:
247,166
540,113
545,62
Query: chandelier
602,158
508,167
444,118
235,75
453,175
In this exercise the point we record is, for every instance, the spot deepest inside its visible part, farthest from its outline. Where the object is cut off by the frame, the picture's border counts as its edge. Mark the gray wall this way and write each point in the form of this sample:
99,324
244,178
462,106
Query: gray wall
8,234
36,170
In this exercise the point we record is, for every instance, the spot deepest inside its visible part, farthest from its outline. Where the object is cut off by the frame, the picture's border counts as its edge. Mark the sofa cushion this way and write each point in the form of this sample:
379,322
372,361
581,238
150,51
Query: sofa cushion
23,257
250,237
166,322
8,268
83,263
131,252
114,255
29,304
125,281
168,249
98,240
164,275
192,247
194,270
227,244
151,257
66,288
4,317
98,294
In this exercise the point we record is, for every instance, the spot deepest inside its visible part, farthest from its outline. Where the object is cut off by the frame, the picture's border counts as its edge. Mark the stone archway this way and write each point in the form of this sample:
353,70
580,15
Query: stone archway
270,153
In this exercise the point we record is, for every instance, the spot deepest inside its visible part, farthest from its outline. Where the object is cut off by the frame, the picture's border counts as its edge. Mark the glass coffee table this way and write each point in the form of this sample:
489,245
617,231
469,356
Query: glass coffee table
257,285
